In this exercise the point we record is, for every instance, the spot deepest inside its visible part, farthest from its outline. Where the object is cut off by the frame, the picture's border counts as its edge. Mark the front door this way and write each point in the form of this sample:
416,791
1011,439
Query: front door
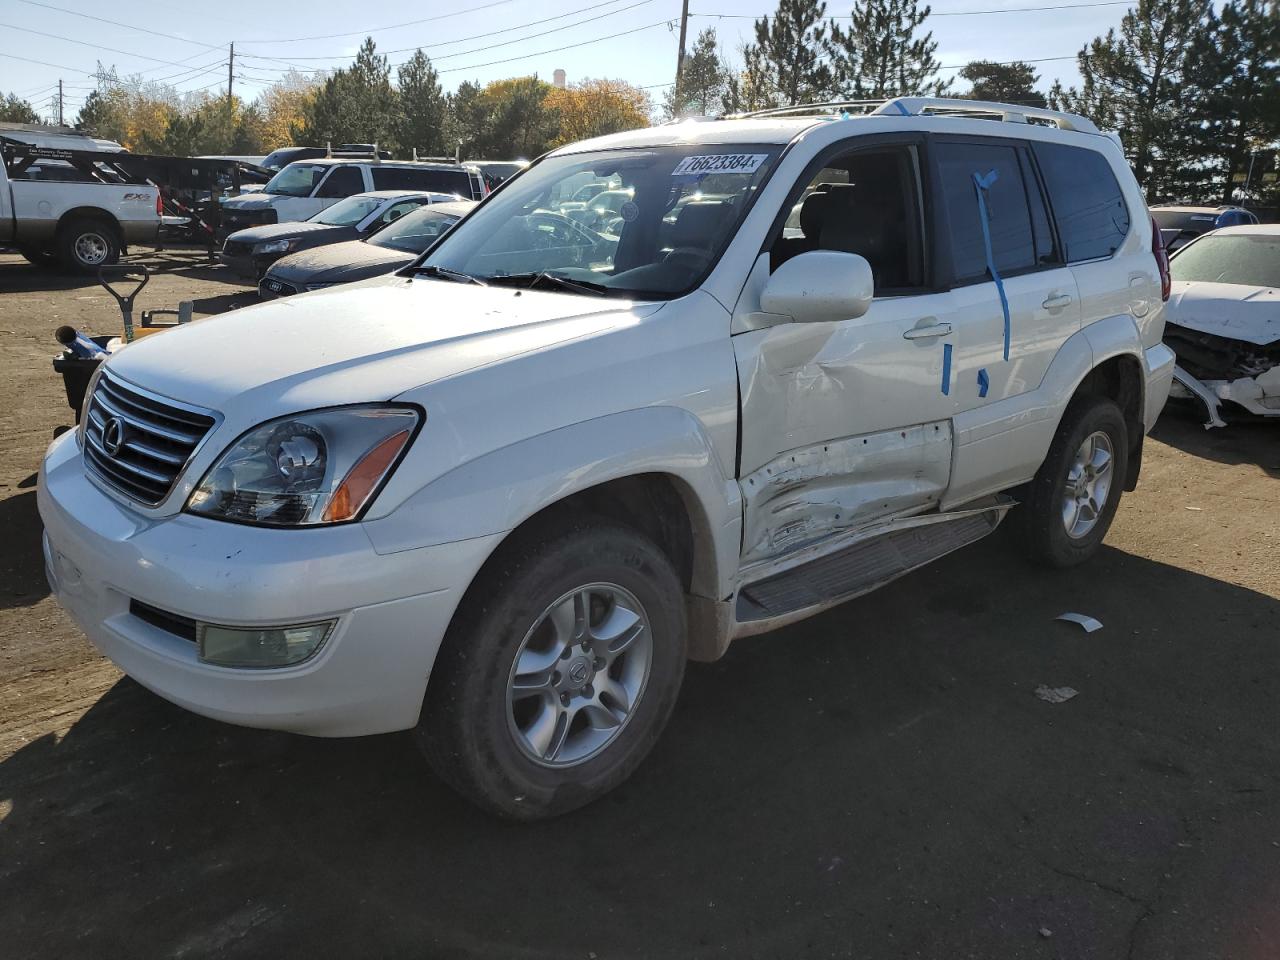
847,422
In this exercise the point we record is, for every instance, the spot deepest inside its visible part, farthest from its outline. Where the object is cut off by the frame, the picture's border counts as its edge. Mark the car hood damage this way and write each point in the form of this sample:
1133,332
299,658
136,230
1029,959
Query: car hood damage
1227,340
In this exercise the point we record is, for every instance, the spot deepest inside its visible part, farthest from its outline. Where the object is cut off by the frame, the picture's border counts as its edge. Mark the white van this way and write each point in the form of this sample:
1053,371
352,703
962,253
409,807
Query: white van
501,496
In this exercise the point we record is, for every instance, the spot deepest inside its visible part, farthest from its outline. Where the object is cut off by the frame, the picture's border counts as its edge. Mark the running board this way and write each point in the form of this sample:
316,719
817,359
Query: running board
816,582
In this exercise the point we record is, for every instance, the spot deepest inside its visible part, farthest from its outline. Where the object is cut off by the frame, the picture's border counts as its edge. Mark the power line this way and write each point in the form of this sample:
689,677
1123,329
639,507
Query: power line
480,36
570,46
117,23
393,26
95,46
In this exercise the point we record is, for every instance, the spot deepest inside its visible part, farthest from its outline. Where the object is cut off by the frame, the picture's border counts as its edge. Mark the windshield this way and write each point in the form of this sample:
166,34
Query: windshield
657,226
1240,258
414,232
295,180
348,212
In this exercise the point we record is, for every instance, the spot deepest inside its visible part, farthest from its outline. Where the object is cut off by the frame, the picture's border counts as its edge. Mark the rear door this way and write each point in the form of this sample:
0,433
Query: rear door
339,183
999,239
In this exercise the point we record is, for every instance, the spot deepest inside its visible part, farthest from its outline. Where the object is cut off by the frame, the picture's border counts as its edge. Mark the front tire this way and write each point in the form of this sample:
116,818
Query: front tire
85,245
1074,496
559,672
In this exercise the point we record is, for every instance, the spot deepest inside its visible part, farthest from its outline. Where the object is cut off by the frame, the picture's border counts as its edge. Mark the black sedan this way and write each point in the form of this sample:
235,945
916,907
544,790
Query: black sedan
251,251
387,250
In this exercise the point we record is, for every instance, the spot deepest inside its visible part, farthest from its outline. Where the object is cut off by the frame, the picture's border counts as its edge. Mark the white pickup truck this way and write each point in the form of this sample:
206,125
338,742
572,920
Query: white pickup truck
72,206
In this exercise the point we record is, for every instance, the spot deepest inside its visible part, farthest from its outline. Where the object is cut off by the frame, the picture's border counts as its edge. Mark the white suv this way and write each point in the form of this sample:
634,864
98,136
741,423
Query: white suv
306,187
500,497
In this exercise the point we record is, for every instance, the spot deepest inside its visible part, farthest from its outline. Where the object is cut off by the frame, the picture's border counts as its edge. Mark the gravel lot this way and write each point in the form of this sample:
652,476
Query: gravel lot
880,781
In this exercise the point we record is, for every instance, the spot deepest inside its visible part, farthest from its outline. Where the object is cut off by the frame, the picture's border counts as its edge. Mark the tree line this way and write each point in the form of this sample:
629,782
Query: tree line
362,103
1194,93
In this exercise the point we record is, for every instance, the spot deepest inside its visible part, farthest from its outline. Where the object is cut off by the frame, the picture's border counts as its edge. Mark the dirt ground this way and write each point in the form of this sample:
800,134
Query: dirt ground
880,781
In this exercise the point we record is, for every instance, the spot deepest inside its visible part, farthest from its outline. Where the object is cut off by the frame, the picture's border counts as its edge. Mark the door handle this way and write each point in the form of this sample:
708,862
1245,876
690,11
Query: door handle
927,331
1057,301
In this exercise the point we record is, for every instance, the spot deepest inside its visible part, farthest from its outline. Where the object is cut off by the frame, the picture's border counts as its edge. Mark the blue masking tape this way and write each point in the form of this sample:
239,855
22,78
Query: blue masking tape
984,382
981,185
946,369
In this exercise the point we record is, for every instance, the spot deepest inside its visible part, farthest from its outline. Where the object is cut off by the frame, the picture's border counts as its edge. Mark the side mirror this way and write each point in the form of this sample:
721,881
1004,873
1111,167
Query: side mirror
820,286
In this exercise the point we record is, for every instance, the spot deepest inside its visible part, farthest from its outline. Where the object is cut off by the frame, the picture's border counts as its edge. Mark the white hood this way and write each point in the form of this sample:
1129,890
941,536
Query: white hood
1232,310
365,342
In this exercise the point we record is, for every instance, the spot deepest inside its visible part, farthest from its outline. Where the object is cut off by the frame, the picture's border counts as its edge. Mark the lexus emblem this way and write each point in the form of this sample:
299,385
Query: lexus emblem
113,436
579,671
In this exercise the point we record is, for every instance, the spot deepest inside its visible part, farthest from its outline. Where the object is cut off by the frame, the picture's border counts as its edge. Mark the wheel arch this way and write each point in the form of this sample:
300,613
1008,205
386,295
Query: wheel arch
1120,378
89,213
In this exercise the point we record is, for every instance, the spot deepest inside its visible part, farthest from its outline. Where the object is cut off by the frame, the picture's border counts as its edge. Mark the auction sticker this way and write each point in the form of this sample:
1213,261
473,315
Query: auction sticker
720,163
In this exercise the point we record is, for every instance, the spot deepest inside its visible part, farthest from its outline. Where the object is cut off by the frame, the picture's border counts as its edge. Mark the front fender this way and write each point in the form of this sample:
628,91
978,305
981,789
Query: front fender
499,490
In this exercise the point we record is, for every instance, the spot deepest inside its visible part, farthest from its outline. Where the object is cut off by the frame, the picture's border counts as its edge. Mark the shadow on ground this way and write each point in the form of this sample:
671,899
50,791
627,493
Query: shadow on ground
1245,439
21,556
877,782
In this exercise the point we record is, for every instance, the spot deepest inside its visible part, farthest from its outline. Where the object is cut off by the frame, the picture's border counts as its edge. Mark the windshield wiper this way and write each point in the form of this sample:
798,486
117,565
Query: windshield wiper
564,283
444,273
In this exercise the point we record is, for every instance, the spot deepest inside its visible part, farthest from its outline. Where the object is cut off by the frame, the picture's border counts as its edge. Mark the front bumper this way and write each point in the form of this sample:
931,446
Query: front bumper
1259,395
369,677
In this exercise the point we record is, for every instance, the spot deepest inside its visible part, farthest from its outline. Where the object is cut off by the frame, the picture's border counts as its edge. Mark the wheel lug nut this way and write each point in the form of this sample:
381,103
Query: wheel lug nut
587,691
599,663
564,699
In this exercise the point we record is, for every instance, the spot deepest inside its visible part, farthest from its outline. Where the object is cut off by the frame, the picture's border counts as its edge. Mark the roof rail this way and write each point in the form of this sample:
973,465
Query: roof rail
826,106
1009,112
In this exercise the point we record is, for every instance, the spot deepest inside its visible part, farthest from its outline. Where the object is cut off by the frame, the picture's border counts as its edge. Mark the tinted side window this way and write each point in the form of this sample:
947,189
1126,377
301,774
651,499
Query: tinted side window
1009,215
342,182
443,181
1086,199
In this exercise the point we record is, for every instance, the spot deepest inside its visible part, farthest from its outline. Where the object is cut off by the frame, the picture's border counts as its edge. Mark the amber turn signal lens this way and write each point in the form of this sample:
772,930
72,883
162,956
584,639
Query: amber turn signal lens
359,483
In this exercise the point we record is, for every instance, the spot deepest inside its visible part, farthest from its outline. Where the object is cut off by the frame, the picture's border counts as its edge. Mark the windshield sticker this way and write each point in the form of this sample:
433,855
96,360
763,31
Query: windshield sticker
720,163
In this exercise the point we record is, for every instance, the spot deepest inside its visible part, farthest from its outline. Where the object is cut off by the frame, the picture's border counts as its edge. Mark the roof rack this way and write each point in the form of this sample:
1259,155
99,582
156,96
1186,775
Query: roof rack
919,106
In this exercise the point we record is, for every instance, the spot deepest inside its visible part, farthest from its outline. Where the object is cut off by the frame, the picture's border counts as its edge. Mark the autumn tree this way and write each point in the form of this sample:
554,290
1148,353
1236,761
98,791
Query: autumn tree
788,52
13,109
284,107
702,80
594,108
884,53
1003,82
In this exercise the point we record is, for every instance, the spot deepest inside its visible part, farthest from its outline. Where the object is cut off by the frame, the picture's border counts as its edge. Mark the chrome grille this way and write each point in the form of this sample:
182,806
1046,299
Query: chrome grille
137,442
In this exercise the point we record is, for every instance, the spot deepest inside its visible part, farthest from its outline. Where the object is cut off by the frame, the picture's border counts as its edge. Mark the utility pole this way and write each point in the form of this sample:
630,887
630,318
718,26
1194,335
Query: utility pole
231,64
59,101
684,27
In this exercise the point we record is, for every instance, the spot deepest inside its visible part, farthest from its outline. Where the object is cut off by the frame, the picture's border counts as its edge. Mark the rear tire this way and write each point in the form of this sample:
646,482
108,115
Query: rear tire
516,663
1075,494
87,244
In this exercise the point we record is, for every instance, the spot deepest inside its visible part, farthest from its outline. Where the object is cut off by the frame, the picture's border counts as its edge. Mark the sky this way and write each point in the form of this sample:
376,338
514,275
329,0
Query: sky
482,40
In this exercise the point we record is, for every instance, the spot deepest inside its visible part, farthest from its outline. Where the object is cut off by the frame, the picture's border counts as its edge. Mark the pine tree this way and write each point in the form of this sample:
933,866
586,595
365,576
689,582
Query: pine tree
788,51
1135,82
1003,82
16,110
702,79
420,123
881,53
356,104
1238,71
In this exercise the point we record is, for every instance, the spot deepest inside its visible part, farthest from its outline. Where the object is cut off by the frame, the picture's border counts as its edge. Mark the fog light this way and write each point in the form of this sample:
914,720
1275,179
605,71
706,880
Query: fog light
261,647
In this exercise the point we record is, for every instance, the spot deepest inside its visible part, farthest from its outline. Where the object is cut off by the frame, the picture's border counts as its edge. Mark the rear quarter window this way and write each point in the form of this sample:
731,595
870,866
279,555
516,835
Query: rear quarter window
1086,198
440,181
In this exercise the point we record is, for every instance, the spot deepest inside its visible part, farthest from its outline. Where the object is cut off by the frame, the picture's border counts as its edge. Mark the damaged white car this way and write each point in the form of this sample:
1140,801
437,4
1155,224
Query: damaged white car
1223,321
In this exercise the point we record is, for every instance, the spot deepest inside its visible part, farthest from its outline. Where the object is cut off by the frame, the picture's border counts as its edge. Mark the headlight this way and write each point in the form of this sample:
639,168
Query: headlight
274,246
313,468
